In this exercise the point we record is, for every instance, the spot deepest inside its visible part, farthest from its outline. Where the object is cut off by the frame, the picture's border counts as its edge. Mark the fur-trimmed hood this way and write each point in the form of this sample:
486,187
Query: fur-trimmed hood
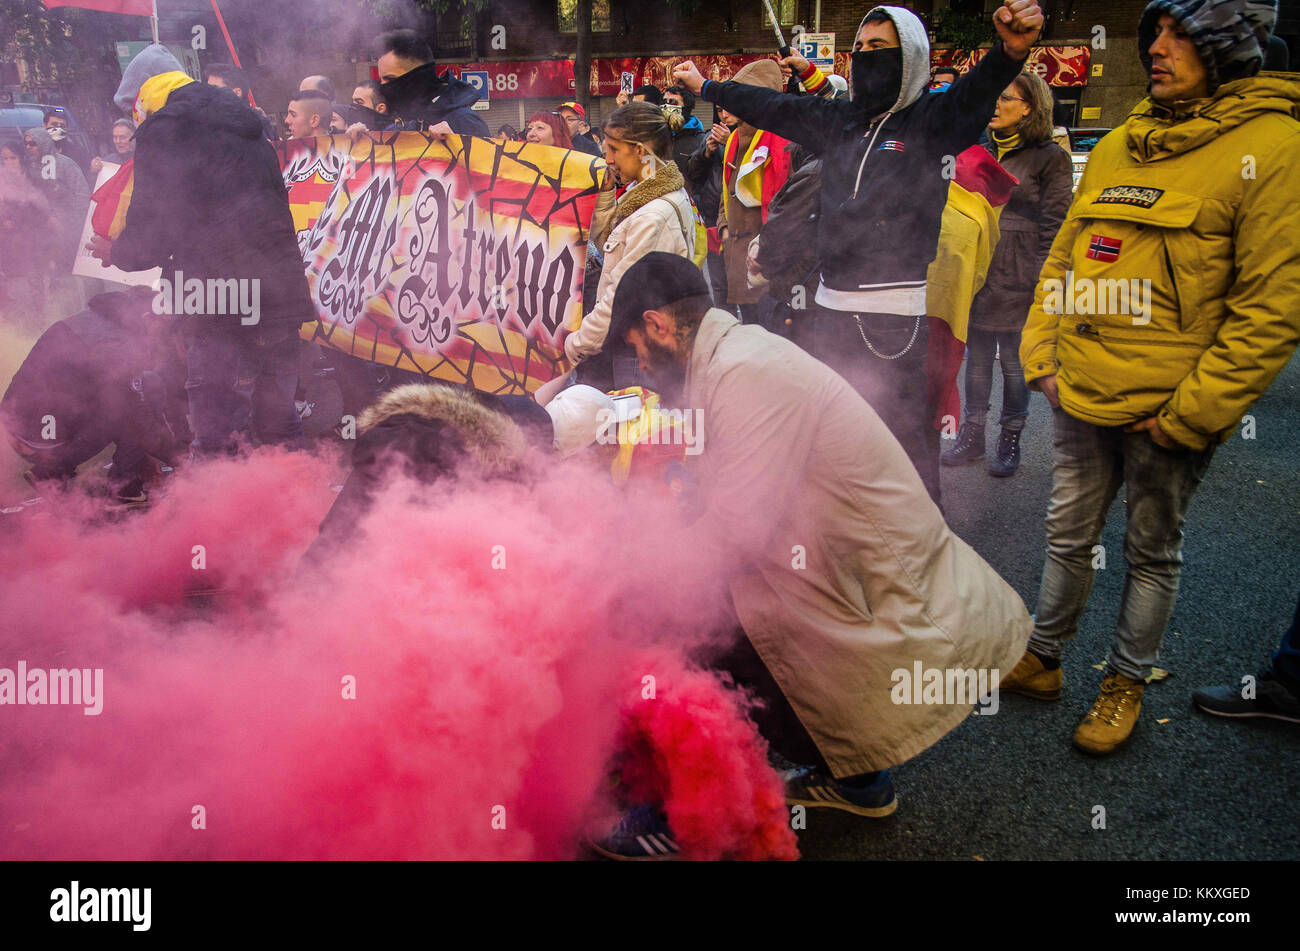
494,441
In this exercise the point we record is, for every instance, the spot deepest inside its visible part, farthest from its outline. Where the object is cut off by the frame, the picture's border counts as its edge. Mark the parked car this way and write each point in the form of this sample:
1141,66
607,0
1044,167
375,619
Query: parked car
1082,142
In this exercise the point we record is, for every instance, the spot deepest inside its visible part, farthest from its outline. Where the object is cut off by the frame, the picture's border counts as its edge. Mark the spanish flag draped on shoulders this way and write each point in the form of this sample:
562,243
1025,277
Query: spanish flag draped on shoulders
114,197
968,235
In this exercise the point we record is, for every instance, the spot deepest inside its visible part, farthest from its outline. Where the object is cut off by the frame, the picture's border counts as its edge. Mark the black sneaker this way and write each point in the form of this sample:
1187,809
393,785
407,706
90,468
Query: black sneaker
1272,699
809,786
1006,458
968,448
641,835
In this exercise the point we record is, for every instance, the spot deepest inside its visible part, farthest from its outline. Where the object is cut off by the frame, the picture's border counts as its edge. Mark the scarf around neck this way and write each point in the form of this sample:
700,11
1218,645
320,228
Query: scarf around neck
1005,143
666,180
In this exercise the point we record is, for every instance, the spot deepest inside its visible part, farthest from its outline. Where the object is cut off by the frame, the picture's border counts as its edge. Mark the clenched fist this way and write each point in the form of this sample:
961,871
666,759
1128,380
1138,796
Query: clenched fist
1018,23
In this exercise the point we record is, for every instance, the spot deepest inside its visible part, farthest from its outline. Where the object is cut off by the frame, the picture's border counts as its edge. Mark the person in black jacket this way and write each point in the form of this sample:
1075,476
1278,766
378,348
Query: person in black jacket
691,135
210,207
95,378
888,155
418,98
703,172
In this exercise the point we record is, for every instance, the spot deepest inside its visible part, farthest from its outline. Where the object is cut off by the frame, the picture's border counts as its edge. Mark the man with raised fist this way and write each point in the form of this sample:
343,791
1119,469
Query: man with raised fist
890,153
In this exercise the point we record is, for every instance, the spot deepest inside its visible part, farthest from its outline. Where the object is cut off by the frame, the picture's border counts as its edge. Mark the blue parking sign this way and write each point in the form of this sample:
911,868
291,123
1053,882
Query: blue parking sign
478,78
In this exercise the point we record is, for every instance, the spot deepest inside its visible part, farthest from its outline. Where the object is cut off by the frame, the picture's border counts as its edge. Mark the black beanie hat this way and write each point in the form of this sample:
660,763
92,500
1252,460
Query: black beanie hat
652,283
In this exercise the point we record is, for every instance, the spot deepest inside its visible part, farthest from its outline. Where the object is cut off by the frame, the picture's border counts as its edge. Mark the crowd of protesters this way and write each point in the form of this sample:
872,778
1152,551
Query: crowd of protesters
774,271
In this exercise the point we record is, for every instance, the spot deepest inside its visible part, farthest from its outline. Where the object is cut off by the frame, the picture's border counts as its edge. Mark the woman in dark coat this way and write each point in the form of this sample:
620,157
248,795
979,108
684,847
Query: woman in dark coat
1020,137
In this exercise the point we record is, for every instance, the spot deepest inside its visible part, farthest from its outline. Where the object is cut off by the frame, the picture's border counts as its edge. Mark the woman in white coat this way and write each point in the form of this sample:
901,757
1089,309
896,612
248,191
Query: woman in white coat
654,214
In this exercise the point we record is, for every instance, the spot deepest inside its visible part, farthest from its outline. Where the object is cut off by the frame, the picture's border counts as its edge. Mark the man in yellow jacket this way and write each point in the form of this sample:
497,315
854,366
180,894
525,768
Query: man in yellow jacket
1170,301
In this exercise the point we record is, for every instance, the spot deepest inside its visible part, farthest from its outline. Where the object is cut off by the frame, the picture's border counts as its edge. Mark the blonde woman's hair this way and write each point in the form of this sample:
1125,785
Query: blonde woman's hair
647,125
1037,126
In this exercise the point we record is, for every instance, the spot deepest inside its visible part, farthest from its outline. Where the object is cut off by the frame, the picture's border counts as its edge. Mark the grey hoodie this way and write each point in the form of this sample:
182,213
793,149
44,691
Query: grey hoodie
64,187
915,43
153,60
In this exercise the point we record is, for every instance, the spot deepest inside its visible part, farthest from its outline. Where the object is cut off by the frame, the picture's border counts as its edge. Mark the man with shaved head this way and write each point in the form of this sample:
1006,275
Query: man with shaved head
308,115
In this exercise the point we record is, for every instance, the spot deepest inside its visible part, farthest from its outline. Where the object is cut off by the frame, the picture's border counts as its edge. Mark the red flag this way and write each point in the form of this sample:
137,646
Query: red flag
140,8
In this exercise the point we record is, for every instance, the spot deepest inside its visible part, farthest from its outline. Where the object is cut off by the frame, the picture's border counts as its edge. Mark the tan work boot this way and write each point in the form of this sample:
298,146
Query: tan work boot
1031,678
1112,717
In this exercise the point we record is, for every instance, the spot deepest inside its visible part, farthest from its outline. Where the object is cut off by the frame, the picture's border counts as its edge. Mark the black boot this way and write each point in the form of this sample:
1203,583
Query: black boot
1006,459
969,447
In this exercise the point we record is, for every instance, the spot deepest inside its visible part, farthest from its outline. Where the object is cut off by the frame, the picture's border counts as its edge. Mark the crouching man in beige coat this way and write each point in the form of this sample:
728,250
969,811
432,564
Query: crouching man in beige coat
879,627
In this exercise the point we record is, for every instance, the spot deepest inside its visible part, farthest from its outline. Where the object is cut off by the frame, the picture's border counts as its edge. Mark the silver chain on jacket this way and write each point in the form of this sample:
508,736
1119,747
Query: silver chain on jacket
916,328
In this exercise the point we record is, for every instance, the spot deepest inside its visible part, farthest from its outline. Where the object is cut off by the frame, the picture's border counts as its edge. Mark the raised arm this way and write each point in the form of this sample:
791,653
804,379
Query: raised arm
808,120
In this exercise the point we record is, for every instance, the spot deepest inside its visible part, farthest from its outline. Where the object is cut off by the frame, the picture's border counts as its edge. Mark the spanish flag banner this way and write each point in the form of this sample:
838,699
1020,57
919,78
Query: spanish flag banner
460,260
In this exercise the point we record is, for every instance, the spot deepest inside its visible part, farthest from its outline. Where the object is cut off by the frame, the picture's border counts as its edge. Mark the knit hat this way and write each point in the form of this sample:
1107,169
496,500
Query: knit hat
574,108
580,415
762,72
655,281
1230,35
154,60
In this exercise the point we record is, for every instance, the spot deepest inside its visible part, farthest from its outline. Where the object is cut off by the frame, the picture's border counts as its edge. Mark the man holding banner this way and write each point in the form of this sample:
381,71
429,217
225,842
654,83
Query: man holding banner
209,206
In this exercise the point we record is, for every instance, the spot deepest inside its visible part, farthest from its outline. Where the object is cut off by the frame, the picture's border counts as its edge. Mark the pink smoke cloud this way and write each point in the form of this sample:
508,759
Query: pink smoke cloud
489,701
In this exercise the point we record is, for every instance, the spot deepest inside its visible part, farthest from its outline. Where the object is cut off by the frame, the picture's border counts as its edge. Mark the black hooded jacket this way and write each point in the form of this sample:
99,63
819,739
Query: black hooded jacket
880,212
421,98
85,371
209,201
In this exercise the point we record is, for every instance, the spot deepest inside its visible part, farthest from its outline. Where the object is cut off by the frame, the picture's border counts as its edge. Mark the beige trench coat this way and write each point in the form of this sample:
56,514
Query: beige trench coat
844,569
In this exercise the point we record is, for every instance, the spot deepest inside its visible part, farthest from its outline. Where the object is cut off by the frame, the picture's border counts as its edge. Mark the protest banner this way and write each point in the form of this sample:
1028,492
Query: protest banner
460,260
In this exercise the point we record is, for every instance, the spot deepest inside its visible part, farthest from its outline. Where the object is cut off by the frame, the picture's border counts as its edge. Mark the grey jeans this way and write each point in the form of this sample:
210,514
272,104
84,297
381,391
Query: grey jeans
1089,465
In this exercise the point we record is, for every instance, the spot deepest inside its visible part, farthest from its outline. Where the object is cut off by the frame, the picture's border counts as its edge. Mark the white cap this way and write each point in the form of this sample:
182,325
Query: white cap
579,415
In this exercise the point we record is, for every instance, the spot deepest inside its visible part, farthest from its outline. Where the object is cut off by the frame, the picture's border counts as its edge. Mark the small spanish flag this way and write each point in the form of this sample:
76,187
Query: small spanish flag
111,200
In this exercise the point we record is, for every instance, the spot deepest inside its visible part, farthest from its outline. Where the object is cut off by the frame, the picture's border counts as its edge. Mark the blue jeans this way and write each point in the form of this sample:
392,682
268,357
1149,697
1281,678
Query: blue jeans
235,379
1286,660
1090,463
980,346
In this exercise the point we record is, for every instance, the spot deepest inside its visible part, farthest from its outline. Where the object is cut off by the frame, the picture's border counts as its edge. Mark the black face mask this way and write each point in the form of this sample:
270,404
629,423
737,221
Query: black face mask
413,86
877,78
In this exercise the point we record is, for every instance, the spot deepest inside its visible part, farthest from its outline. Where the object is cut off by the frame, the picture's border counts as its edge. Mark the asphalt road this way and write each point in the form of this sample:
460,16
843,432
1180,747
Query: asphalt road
1011,786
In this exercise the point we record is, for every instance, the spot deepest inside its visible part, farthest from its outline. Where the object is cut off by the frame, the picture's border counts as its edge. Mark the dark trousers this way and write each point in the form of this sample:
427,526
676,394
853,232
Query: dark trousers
774,717
59,462
980,348
234,380
762,312
134,423
882,356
